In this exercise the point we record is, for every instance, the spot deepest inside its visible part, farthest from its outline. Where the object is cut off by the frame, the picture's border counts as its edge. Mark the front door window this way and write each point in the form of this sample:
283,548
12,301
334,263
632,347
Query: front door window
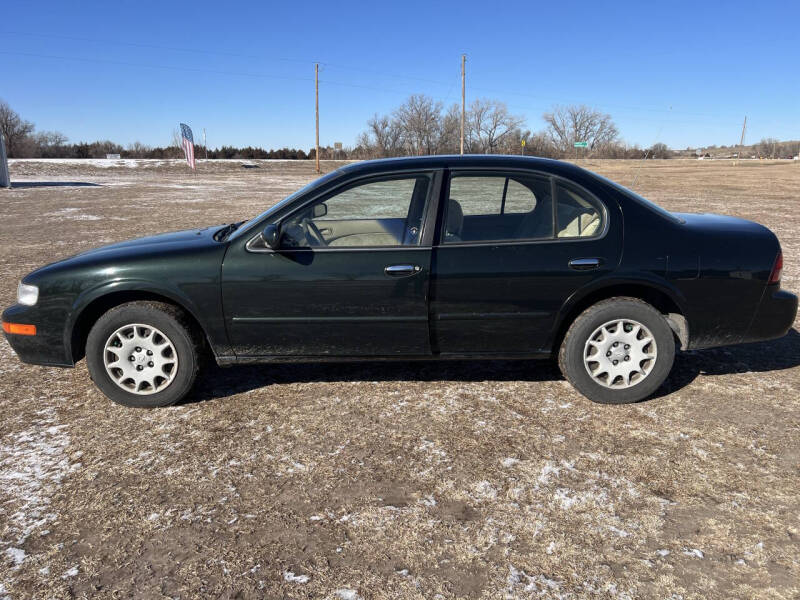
382,213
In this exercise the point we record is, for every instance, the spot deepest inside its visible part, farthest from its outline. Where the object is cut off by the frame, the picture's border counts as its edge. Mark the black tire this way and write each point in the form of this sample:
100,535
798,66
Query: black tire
571,353
175,326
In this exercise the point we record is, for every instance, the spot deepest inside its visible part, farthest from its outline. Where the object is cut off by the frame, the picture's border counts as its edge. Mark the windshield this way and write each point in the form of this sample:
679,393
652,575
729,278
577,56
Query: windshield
306,188
642,200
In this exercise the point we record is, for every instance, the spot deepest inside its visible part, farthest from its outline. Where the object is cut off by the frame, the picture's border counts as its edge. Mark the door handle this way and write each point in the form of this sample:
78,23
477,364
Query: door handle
402,270
584,264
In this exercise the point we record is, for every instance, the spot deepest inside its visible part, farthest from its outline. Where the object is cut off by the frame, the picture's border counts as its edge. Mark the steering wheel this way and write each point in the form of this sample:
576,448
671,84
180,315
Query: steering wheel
312,233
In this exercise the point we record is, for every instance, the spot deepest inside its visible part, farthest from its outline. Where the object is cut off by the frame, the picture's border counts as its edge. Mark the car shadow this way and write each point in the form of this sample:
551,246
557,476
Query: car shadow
217,382
37,184
758,357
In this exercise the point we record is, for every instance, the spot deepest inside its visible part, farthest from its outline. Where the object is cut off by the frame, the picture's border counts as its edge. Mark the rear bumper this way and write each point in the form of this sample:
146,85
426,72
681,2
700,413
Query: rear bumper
45,348
774,318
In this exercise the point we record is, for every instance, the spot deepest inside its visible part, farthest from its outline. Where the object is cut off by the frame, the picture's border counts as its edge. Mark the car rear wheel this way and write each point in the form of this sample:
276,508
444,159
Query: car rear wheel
617,351
143,354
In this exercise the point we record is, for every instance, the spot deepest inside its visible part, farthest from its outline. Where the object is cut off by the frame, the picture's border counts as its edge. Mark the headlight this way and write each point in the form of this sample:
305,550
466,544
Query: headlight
27,294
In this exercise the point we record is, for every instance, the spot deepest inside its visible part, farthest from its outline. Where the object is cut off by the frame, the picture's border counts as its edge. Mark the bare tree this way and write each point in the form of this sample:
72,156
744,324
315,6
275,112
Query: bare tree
768,147
539,144
419,119
14,128
450,133
579,123
383,138
489,122
45,144
659,150
176,140
137,150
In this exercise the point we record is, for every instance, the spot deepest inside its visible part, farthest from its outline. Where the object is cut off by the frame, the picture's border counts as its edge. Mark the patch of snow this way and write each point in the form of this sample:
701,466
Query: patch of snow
346,594
430,448
539,584
662,552
619,532
486,490
693,552
292,578
70,572
550,469
566,501
72,214
428,501
17,556
32,464
402,572
509,462
102,163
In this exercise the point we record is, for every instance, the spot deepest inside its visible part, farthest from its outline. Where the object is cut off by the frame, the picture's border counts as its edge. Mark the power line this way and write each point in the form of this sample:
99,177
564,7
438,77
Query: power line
496,92
155,66
113,43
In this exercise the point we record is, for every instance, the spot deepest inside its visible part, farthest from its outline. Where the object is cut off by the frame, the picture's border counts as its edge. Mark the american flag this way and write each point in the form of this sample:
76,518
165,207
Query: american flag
187,141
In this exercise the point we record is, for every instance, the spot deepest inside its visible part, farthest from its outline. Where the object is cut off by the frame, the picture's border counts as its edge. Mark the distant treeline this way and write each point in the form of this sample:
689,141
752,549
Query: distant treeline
419,126
34,149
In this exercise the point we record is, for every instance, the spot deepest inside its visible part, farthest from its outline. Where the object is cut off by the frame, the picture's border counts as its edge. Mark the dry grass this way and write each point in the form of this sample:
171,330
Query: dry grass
401,480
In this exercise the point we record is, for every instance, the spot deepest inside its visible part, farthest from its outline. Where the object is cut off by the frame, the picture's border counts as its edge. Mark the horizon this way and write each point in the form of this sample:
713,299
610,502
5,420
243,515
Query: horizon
651,75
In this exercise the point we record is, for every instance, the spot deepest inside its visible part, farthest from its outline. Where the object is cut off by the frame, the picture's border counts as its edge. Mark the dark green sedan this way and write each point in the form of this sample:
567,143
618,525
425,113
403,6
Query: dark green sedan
417,258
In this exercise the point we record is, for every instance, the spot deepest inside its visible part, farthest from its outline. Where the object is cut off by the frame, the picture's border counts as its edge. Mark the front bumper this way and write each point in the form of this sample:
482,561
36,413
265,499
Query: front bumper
774,318
46,347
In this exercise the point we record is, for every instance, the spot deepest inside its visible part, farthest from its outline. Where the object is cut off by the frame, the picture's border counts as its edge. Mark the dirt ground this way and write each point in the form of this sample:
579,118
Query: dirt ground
472,480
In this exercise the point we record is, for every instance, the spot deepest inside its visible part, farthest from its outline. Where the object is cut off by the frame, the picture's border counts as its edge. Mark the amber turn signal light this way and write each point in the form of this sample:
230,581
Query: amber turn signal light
19,328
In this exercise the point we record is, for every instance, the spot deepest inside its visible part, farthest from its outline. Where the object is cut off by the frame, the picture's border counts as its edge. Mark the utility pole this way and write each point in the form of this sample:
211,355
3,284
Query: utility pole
741,140
316,103
463,97
5,180
204,142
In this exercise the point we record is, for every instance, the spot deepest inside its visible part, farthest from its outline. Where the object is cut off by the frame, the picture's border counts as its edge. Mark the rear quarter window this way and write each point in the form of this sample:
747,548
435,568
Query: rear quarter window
578,214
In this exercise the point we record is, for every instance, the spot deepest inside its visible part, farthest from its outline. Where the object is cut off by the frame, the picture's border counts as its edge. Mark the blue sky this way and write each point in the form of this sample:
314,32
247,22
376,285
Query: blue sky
681,73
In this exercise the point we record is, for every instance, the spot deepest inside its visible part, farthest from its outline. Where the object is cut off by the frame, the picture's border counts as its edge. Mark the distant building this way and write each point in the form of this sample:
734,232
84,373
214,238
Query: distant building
112,156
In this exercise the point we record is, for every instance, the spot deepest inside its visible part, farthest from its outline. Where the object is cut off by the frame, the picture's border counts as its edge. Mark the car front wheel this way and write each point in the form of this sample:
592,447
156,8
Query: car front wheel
617,351
143,354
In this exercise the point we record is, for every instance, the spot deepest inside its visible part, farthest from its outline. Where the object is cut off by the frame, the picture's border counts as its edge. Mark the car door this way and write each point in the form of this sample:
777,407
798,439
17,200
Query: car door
513,247
350,277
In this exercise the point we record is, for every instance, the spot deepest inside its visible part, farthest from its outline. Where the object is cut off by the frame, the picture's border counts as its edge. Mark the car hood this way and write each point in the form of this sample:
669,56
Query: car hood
188,237
151,248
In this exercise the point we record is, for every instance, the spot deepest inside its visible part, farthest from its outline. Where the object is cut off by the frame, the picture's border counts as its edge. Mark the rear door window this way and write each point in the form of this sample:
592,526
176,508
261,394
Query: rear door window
498,206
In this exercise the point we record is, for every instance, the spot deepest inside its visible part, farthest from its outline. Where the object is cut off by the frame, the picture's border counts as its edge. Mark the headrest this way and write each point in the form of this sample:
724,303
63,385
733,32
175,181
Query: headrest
455,217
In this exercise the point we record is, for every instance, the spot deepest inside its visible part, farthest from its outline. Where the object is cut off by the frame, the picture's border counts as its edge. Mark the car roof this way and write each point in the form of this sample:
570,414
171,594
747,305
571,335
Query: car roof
463,161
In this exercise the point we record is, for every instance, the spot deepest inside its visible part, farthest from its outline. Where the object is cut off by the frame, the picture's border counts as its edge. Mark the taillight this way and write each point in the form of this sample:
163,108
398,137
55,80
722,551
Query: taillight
775,276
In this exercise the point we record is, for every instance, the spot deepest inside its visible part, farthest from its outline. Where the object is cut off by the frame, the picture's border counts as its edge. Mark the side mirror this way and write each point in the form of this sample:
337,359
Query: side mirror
271,236
319,210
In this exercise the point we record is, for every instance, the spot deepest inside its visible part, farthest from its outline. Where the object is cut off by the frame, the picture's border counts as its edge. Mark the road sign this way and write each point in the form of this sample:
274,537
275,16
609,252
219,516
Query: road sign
337,145
581,144
523,143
